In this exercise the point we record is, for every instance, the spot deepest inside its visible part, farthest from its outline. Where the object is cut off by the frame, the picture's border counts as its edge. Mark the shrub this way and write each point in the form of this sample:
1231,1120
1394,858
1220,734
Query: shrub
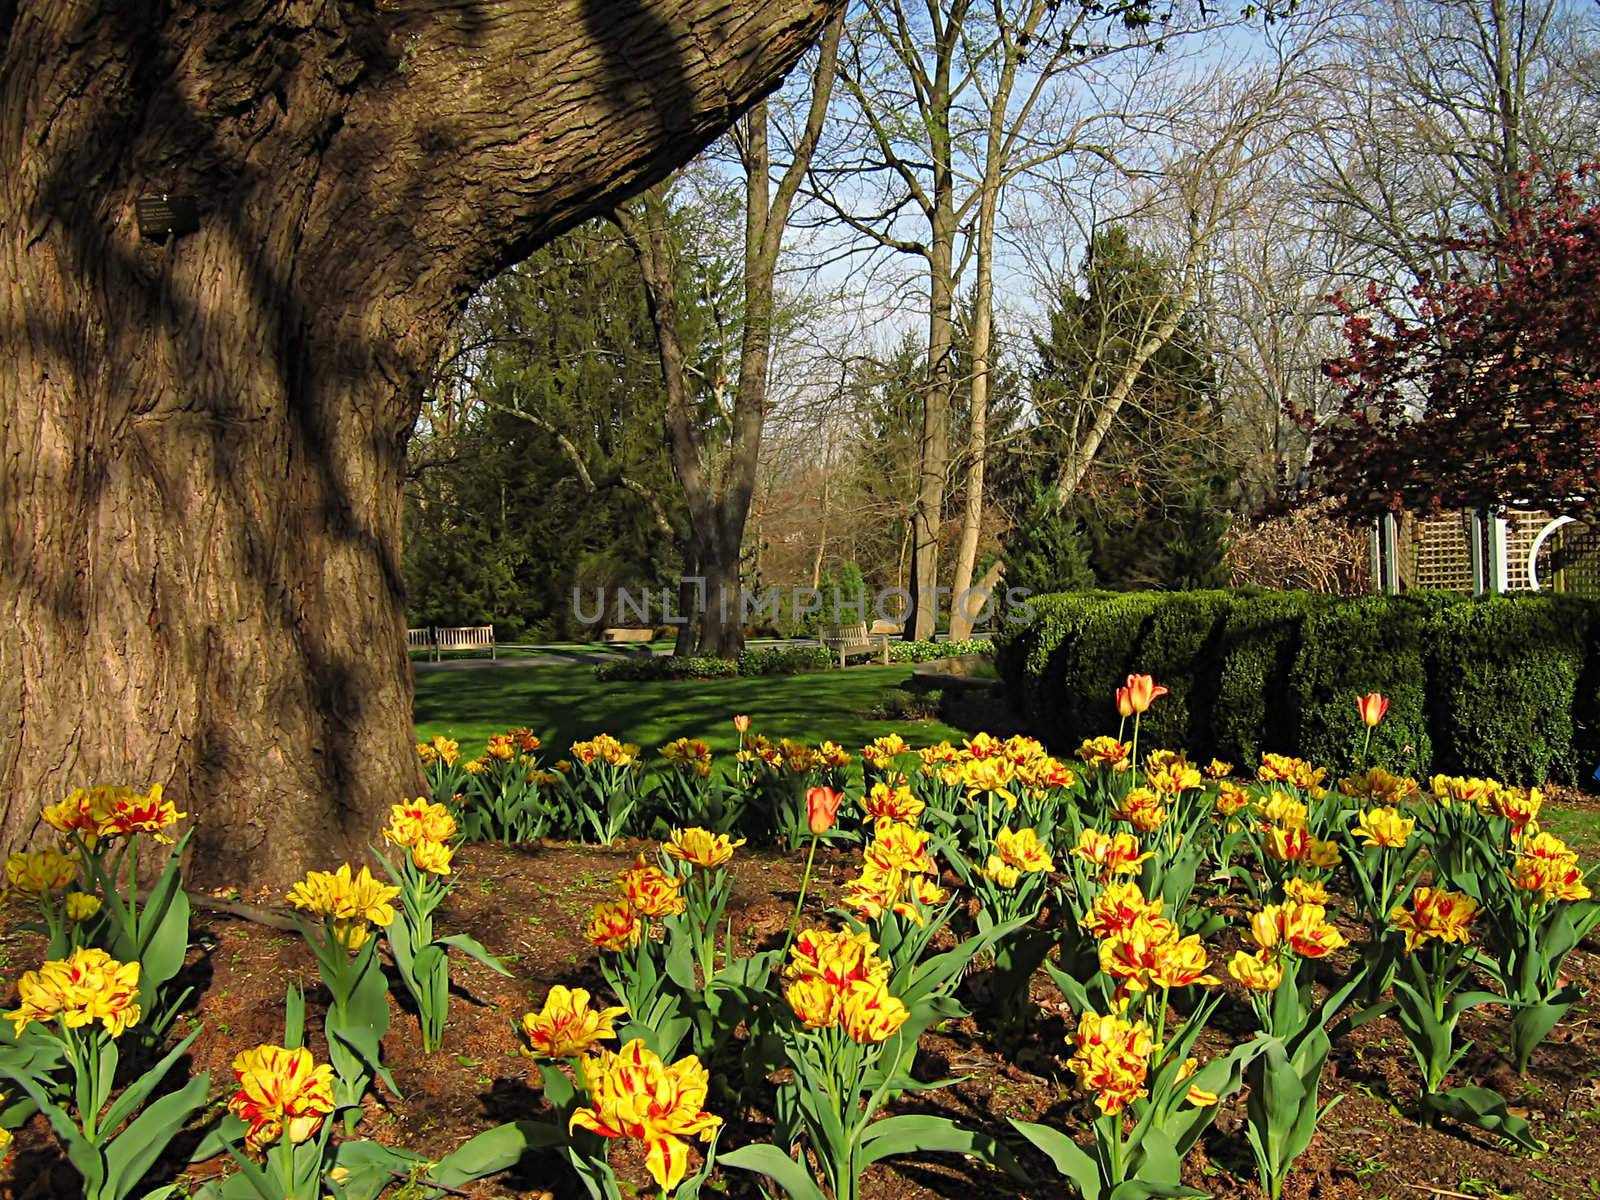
1371,644
1039,653
1046,552
1505,685
1305,549
670,666
1101,660
1256,647
1179,645
902,704
916,652
784,660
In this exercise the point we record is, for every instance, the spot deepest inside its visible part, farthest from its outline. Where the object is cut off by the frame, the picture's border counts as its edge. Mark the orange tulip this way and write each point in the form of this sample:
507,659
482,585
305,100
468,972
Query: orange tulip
1372,706
1143,691
1124,703
742,723
822,808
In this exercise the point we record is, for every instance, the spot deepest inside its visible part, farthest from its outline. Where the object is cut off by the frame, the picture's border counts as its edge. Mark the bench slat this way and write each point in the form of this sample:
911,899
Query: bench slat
845,640
466,637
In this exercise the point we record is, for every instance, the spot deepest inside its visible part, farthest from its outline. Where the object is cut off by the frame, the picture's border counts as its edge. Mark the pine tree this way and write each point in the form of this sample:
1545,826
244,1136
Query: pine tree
1152,509
1045,550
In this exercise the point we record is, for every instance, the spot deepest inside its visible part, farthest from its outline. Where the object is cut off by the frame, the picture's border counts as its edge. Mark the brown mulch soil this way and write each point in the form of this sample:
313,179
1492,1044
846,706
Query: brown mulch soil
529,903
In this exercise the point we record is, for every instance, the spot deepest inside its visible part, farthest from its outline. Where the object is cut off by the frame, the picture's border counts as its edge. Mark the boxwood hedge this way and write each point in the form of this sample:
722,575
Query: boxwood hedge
1506,686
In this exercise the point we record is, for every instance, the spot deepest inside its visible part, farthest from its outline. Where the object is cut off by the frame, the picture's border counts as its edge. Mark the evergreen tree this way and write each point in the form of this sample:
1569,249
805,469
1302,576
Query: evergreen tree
558,359
1154,504
1045,551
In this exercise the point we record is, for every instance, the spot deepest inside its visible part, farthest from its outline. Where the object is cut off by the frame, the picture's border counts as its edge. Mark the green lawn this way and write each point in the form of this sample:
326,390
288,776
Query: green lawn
1578,826
565,703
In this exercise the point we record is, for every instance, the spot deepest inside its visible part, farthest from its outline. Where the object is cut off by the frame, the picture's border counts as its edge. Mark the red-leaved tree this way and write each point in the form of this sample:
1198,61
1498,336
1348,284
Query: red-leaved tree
1490,394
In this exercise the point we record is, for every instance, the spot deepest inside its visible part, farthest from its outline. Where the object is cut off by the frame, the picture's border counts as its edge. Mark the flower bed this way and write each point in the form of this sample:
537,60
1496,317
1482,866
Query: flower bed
1204,944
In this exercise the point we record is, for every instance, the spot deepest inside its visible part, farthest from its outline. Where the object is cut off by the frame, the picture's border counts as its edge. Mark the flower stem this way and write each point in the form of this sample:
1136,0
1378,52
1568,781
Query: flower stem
288,1170
133,885
800,902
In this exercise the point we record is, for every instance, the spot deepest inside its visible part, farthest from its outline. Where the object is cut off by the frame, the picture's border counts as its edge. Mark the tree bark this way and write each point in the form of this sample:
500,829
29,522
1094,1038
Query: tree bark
934,444
963,610
202,440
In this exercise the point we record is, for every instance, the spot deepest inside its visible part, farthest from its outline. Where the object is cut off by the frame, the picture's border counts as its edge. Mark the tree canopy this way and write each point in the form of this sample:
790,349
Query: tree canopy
1482,388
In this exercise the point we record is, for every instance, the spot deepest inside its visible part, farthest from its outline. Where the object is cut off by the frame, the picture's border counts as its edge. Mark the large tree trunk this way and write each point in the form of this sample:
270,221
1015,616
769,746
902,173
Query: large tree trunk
202,441
966,603
933,453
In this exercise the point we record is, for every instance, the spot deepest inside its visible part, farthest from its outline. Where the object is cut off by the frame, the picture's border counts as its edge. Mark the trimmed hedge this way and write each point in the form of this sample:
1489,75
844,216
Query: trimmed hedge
772,660
917,652
1507,687
1492,691
1370,644
667,666
784,660
1256,650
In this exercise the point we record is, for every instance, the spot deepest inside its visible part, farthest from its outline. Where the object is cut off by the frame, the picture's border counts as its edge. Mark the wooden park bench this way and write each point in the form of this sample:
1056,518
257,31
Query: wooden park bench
467,637
419,639
620,634
847,640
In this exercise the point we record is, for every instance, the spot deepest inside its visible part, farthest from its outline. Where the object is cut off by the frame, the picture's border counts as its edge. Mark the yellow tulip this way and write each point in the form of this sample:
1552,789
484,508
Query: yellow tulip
701,848
282,1094
1023,850
1306,891
1112,854
344,895
40,872
1436,914
432,857
869,1014
87,986
1111,1059
1118,907
633,1094
1385,827
613,925
1106,752
1259,972
567,1025
649,890
1300,928
1282,768
419,820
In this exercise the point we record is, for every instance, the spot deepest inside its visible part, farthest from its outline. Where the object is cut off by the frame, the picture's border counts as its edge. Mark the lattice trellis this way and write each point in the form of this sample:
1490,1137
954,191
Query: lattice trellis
1437,555
1570,561
1522,526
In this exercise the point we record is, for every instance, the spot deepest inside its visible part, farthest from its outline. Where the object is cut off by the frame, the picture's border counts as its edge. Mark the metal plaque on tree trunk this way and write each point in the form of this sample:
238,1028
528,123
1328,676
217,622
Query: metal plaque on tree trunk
164,216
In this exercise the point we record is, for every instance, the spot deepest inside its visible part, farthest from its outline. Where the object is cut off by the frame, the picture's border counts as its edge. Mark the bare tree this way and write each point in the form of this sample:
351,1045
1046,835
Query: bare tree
718,486
1433,110
1225,136
949,104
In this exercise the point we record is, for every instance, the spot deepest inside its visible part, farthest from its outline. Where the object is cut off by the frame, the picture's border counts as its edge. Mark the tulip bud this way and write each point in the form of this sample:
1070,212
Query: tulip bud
1372,707
742,723
822,808
1143,691
1124,703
